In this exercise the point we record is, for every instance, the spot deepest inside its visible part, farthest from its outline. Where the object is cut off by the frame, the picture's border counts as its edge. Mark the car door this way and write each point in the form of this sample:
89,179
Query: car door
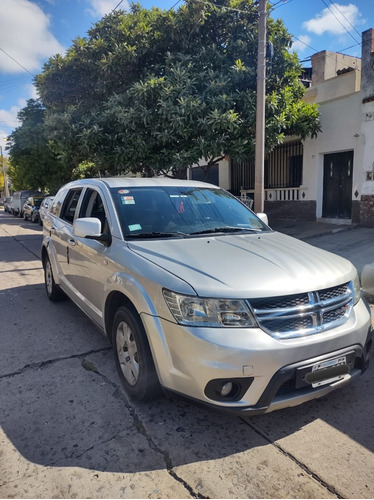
61,231
88,265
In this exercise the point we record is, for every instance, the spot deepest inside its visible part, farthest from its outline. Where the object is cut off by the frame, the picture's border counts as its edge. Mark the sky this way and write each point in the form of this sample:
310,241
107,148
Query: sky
31,31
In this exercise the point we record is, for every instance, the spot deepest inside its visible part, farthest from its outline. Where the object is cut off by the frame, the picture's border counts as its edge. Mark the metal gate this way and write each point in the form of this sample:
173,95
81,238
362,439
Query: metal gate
283,169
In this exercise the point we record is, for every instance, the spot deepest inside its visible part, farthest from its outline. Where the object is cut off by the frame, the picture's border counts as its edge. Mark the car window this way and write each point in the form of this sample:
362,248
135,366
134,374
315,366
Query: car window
70,205
36,202
93,206
178,209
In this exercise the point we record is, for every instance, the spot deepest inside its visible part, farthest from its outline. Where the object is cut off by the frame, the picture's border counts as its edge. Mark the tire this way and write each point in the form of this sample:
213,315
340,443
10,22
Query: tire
25,217
133,356
54,292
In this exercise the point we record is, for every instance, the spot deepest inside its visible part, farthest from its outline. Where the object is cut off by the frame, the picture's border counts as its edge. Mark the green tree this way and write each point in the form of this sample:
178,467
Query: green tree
153,90
4,165
32,163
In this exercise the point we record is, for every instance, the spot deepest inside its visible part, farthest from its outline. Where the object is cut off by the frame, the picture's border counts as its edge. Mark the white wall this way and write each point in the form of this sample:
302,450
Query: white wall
367,131
341,131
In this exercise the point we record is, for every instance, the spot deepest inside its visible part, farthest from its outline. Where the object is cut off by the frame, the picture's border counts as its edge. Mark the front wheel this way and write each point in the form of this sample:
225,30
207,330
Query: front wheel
133,356
54,292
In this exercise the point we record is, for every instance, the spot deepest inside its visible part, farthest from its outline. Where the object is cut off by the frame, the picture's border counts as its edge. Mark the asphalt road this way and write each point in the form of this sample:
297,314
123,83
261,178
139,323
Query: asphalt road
68,430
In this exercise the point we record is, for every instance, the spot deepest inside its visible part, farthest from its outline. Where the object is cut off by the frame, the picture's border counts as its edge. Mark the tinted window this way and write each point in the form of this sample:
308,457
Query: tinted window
70,205
93,206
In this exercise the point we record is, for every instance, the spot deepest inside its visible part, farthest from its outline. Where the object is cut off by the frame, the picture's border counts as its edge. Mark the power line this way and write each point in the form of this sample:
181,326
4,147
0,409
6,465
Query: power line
308,58
212,2
348,21
339,21
276,5
116,7
19,64
176,3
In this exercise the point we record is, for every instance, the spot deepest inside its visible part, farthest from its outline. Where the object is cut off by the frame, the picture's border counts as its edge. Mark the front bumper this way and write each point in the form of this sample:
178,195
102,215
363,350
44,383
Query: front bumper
267,370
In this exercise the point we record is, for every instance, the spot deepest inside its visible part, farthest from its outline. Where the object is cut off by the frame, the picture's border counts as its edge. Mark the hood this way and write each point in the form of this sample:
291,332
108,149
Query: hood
248,265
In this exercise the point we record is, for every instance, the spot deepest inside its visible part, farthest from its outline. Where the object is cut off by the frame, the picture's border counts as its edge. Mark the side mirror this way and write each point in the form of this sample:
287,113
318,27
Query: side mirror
87,227
90,228
367,281
263,217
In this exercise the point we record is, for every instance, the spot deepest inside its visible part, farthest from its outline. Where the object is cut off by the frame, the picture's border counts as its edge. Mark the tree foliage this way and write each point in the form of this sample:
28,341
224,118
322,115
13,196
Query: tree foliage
154,90
32,163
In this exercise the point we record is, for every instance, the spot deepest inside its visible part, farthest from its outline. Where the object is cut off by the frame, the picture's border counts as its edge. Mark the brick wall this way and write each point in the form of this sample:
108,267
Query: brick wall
362,211
295,210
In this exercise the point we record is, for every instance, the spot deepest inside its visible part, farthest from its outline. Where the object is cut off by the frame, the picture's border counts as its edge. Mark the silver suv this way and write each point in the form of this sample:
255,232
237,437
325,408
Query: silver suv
200,297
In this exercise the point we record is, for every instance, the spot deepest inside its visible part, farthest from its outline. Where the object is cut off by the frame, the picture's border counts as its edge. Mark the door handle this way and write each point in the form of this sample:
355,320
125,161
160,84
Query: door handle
72,242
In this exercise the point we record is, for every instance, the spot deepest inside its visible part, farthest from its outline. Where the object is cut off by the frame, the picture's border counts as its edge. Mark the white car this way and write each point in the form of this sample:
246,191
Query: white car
44,208
200,297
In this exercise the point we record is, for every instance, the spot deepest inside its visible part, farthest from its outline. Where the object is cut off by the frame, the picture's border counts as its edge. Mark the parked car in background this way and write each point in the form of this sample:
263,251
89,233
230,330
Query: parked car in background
19,199
199,296
8,204
31,208
44,208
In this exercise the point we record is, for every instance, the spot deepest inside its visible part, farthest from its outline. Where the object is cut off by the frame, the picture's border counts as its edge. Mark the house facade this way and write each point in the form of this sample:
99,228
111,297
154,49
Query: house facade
330,177
338,166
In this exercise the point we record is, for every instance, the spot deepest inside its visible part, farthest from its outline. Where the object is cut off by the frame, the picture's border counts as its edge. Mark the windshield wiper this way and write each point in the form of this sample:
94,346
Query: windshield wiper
226,229
157,234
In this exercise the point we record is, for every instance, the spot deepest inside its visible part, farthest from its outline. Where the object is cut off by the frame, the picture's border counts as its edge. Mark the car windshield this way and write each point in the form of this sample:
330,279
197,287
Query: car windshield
155,211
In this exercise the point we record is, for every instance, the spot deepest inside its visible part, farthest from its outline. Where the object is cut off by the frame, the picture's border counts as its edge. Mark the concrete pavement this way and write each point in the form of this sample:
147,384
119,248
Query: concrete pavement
307,230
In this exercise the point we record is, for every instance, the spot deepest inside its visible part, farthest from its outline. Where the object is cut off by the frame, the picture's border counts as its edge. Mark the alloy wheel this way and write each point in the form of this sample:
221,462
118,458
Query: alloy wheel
127,352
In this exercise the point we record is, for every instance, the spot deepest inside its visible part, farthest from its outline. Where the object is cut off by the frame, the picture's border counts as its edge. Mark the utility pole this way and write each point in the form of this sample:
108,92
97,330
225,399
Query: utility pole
6,188
259,194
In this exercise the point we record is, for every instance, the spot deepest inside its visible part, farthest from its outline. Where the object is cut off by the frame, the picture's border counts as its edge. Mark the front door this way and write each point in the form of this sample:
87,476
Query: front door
337,185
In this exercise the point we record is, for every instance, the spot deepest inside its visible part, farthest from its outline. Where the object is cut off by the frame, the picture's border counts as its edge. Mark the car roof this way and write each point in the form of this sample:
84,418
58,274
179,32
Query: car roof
113,182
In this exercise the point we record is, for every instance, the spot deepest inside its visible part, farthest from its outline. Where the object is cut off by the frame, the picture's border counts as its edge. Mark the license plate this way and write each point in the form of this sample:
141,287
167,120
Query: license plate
328,371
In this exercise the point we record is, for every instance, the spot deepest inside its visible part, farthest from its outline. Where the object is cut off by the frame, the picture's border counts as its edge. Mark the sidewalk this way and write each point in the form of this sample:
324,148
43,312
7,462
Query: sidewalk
306,230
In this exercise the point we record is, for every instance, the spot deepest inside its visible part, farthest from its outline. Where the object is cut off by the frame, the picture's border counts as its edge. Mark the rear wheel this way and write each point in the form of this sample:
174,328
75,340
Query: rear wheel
133,356
54,292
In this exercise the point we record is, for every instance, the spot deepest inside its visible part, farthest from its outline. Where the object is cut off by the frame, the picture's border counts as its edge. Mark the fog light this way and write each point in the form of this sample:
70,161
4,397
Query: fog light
223,389
226,389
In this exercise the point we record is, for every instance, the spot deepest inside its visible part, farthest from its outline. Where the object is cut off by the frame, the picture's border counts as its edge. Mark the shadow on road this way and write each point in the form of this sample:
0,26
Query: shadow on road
62,403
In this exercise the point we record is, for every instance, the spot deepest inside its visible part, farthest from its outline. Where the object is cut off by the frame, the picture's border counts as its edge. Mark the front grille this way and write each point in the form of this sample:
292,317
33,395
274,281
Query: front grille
304,314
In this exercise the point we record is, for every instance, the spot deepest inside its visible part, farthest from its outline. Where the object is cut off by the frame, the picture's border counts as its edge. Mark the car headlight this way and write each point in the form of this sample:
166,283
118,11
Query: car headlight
356,289
195,311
